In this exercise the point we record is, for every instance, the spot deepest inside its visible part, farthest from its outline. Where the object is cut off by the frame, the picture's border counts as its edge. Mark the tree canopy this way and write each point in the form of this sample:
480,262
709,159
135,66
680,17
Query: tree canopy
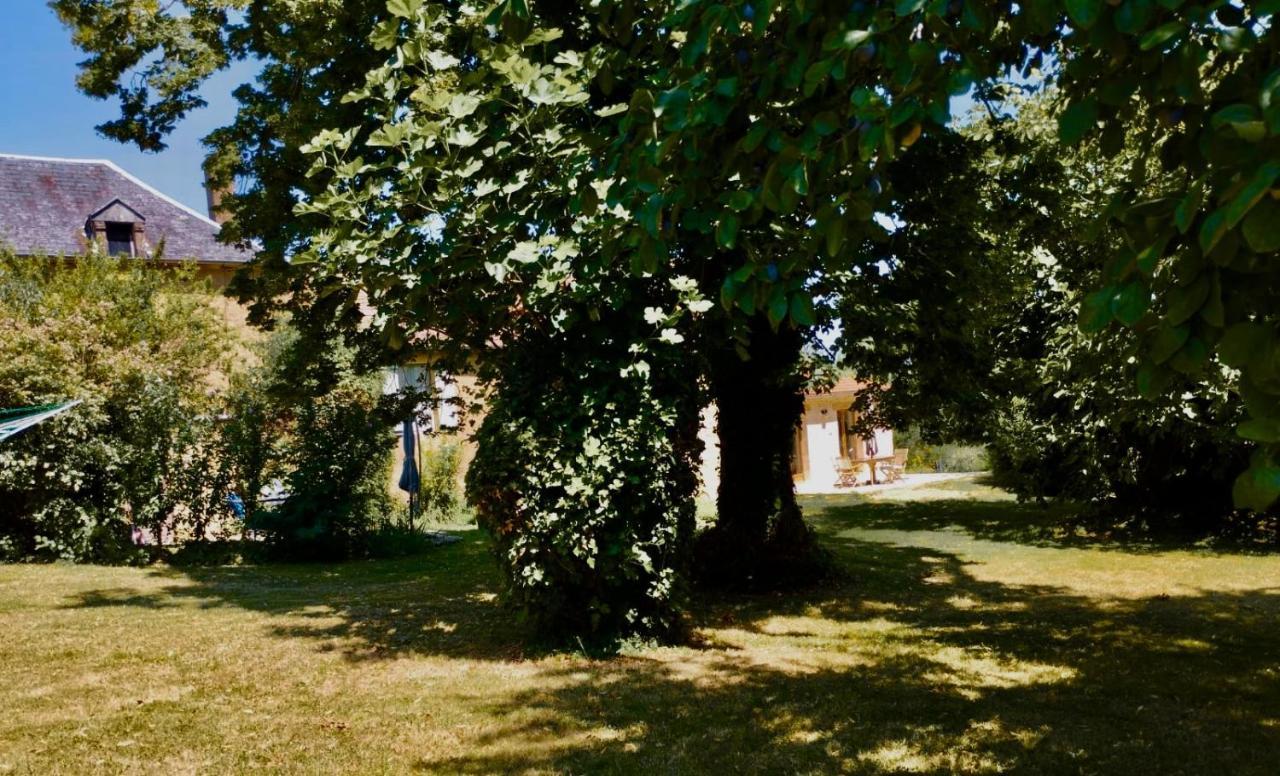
485,176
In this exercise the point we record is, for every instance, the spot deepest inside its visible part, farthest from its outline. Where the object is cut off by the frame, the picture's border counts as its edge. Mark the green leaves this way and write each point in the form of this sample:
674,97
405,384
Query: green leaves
388,135
1253,191
1259,486
1189,206
801,308
1084,13
1186,301
1132,16
1240,113
741,200
1127,304
1225,218
1265,430
727,230
1161,35
1095,312
834,232
1212,230
1131,303
1167,341
1242,342
1078,120
1244,120
405,9
729,150
1262,226
463,105
385,34
852,39
908,7
778,306
826,123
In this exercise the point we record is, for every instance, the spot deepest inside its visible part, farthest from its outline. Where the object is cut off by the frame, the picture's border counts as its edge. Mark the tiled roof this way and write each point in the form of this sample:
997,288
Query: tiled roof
45,203
845,386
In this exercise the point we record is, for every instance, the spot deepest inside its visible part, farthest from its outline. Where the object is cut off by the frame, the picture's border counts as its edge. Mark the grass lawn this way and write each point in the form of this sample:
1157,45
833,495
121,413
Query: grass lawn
966,637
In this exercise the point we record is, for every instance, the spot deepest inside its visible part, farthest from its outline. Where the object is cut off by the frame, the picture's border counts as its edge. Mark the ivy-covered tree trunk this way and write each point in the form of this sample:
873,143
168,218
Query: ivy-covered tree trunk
585,478
760,538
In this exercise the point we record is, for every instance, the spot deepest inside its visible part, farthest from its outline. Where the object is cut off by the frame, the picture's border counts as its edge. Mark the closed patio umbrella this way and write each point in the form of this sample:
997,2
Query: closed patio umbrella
410,481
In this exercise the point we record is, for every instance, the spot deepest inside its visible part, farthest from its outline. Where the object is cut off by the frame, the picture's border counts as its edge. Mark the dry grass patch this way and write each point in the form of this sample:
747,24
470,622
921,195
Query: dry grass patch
961,640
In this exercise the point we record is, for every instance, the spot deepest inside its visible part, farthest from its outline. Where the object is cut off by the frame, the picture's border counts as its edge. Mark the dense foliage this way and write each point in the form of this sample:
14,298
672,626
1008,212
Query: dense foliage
338,464
318,424
1077,423
440,490
169,424
586,484
140,345
481,175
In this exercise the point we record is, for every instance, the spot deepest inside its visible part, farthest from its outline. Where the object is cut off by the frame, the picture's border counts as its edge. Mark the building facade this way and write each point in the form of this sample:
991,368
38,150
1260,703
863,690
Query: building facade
60,207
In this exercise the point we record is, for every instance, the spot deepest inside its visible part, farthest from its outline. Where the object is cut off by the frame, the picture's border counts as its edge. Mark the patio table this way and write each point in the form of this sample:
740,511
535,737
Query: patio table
873,462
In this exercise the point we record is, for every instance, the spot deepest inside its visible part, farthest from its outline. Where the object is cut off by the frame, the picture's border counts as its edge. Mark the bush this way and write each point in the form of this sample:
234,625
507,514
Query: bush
926,457
144,349
338,459
1169,462
584,483
440,492
141,346
258,419
396,539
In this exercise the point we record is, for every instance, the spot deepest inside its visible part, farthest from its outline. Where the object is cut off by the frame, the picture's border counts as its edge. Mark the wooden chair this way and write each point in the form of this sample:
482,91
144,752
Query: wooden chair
898,467
846,472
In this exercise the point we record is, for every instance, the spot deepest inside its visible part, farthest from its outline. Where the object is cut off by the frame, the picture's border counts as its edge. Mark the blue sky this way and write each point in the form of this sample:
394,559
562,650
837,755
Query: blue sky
43,114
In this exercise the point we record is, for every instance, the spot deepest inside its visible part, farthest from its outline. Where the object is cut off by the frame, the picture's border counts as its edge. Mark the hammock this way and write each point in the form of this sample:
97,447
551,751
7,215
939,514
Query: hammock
15,420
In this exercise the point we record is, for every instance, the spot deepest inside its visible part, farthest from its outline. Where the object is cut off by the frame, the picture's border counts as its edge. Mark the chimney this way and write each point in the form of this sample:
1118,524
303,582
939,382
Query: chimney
214,195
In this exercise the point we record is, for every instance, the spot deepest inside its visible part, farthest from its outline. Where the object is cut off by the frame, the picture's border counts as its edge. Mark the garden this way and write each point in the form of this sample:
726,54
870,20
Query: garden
1040,239
966,633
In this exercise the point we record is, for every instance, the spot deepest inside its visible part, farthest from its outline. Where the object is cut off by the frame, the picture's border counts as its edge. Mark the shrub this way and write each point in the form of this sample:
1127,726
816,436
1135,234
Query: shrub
943,457
586,484
440,492
141,346
338,459
394,538
1088,435
258,419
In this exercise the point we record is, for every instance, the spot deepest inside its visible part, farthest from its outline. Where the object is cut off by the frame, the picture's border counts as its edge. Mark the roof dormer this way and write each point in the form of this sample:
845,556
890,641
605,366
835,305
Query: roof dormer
119,228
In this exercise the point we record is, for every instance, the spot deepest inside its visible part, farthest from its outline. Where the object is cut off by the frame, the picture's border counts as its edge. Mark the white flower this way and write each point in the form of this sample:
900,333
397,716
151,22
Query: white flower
671,337
654,315
699,306
683,283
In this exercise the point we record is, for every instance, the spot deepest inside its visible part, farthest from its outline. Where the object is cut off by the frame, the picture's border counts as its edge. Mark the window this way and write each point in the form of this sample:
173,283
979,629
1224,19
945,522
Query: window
119,238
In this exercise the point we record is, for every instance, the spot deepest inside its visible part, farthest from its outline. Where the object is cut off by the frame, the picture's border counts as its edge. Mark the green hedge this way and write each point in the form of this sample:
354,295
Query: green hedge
141,347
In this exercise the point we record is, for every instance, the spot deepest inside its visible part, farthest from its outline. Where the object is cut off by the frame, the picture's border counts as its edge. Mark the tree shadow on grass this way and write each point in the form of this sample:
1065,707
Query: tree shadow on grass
960,503
119,596
1009,521
442,602
920,658
913,663
1027,680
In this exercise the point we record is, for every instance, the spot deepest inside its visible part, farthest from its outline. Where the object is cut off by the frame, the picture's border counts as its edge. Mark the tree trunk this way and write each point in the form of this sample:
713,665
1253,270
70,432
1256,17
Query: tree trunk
760,539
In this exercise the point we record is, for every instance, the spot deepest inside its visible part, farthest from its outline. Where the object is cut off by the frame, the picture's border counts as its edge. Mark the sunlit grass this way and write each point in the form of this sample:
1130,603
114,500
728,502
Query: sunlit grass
967,635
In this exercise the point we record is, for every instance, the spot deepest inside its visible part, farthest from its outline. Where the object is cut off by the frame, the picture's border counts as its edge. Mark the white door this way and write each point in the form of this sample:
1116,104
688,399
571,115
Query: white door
823,432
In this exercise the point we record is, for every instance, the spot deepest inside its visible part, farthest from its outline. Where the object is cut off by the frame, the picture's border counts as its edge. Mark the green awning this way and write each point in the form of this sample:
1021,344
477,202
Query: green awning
16,420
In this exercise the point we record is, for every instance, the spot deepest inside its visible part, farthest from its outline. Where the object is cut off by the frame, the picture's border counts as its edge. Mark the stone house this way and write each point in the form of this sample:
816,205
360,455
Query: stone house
58,207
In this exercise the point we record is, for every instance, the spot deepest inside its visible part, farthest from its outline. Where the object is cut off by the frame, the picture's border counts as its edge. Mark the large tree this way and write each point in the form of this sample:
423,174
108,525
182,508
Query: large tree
486,161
